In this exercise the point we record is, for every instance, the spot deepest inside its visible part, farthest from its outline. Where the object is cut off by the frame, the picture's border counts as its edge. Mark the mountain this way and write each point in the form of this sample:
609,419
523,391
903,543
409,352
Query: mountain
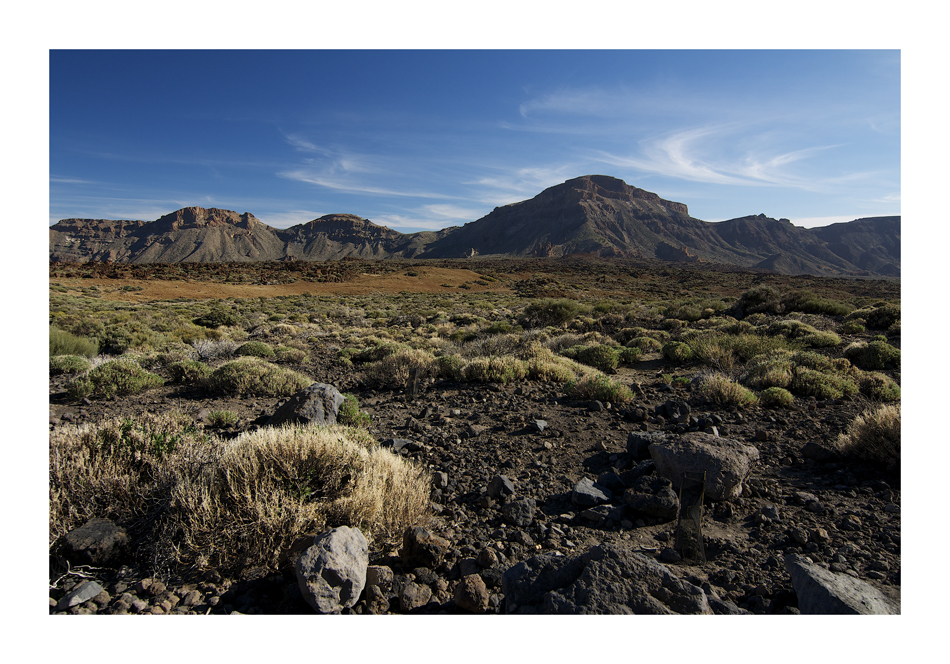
594,214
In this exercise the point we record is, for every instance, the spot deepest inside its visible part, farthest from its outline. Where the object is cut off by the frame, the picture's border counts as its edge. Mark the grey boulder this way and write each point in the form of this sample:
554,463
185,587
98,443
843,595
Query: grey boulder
607,579
332,572
727,462
317,404
823,592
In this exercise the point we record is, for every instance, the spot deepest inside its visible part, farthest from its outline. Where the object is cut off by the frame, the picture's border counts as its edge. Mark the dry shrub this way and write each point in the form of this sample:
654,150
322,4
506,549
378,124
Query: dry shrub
874,436
722,390
598,387
203,502
503,369
398,369
253,376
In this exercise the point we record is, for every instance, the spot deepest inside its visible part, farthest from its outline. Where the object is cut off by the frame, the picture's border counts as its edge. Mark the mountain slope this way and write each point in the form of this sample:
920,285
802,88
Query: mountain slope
593,214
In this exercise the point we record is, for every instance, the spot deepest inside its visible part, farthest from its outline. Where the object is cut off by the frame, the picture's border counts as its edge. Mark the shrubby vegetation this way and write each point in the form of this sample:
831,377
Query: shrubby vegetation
197,502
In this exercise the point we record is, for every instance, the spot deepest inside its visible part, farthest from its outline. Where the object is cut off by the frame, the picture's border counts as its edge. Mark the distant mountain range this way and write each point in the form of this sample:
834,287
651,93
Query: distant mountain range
594,214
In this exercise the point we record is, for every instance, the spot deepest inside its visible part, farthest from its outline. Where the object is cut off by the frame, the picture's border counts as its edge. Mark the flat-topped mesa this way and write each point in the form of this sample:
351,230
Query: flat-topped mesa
341,227
603,186
198,217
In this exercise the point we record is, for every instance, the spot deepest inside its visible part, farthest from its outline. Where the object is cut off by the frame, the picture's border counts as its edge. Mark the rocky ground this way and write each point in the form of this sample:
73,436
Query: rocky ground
799,498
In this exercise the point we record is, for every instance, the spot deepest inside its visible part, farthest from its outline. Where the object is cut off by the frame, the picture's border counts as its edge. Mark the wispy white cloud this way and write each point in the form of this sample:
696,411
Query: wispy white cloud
815,222
709,154
289,218
68,180
352,186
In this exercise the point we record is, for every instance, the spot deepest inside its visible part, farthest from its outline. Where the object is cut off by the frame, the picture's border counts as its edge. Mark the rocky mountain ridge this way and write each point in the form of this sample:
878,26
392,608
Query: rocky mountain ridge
594,214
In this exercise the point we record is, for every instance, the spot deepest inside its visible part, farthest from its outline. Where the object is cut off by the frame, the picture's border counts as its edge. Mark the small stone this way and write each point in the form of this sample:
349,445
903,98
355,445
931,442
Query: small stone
413,596
471,594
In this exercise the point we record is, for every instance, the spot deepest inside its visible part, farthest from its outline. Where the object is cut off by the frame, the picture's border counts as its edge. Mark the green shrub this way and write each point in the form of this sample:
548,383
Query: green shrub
771,370
66,343
499,327
255,349
630,355
873,355
350,414
810,303
451,367
290,354
821,384
113,379
722,390
189,372
504,369
598,387
601,356
677,351
222,418
855,326
645,344
551,312
819,339
882,318
255,377
217,316
761,299
874,436
879,387
68,364
776,397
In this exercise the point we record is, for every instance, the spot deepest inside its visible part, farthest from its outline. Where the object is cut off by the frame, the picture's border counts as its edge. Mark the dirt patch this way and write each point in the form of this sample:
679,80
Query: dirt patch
428,280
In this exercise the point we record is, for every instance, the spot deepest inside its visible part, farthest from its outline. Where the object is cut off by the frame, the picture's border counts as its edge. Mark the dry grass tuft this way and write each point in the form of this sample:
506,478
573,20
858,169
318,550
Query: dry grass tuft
874,436
193,501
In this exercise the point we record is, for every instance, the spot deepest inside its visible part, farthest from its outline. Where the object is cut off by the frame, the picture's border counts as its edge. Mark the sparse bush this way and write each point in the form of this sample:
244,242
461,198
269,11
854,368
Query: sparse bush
503,369
879,387
290,355
722,390
68,364
189,372
761,299
677,351
350,414
255,377
602,357
776,397
855,326
255,349
645,344
551,312
499,327
873,355
116,378
874,436
66,343
218,315
197,502
398,369
810,303
598,387
821,384
882,318
222,418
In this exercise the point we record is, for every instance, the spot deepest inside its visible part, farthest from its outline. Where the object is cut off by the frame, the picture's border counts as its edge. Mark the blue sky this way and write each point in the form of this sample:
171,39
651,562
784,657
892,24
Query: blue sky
425,139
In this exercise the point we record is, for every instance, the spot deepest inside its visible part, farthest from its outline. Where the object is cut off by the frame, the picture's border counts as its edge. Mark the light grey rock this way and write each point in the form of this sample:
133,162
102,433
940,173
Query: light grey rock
727,462
81,593
413,596
317,404
332,572
823,592
607,579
